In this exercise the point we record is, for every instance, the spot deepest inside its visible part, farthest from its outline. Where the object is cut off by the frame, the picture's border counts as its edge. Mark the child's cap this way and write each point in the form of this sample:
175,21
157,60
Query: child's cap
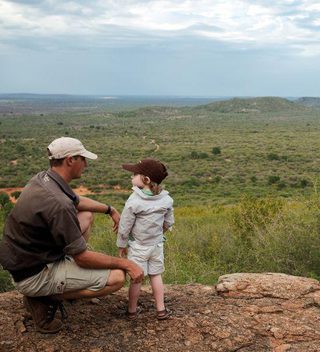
152,168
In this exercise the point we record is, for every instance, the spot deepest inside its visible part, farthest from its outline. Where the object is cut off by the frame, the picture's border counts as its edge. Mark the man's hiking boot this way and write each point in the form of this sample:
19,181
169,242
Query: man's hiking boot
43,310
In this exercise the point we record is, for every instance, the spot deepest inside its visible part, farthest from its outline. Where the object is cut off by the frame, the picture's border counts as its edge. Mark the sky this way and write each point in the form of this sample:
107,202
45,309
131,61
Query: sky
208,48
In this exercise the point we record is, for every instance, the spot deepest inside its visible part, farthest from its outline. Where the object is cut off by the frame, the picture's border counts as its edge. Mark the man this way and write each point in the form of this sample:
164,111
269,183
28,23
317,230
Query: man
44,245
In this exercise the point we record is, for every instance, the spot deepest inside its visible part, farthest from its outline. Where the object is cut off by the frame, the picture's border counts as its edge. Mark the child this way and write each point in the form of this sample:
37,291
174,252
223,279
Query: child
147,214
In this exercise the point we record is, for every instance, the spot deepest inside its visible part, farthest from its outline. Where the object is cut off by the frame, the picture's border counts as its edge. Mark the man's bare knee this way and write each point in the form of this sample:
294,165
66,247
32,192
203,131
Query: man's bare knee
85,220
117,278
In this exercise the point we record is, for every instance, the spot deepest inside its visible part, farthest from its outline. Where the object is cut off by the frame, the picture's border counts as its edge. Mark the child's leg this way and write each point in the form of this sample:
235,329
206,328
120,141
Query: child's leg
134,292
158,291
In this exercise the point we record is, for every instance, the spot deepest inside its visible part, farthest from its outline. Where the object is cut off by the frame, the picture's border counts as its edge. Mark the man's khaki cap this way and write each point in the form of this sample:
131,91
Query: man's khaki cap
67,146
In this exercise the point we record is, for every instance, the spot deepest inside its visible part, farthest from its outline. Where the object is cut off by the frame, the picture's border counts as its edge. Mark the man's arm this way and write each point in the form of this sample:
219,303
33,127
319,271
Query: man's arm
95,260
87,204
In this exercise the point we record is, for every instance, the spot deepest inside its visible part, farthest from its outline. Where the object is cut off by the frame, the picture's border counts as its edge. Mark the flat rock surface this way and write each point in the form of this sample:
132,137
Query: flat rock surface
244,312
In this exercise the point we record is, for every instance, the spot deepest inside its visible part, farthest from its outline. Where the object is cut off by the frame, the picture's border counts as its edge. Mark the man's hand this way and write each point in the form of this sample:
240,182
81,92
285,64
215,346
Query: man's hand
115,216
96,260
135,272
123,252
88,204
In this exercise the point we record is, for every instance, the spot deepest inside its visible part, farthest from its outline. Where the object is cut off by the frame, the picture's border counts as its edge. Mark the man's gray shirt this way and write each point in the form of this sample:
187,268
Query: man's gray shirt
143,218
43,226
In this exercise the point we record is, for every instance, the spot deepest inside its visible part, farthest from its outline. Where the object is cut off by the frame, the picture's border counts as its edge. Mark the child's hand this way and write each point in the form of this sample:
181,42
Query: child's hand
123,252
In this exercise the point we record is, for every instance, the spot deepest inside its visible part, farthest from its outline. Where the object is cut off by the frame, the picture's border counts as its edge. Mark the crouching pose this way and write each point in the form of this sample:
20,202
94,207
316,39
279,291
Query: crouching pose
44,245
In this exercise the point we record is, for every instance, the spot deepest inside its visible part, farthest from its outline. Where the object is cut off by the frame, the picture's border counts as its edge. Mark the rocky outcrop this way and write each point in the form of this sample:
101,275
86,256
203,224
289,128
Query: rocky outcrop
244,312
284,310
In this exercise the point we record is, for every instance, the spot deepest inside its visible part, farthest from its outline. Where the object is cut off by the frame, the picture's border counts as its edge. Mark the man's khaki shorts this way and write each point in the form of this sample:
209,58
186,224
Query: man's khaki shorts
63,276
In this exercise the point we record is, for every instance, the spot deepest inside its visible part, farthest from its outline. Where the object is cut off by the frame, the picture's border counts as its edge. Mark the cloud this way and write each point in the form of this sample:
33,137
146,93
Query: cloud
125,23
26,2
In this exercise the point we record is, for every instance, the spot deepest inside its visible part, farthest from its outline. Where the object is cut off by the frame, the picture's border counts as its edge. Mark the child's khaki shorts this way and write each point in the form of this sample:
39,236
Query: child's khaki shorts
149,258
63,276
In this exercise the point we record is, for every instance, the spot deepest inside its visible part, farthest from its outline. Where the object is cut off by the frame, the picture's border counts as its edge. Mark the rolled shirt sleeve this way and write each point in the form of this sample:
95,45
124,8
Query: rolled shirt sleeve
66,231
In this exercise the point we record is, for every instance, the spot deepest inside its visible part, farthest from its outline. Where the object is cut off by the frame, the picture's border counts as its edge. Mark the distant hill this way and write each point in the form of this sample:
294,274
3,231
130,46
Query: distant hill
148,105
252,105
60,103
313,102
232,105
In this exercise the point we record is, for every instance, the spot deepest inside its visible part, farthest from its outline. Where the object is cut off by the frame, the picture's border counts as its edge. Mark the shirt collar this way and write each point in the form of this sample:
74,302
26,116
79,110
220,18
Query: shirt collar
62,184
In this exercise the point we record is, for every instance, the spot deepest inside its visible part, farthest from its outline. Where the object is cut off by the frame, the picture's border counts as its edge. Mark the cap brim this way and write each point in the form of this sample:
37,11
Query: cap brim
89,155
131,168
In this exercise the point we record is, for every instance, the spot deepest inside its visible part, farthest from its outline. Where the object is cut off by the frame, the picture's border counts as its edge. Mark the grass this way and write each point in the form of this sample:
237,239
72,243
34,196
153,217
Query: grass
256,235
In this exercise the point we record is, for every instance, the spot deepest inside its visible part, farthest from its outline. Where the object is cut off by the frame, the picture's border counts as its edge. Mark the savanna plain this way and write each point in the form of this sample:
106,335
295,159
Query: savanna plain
244,175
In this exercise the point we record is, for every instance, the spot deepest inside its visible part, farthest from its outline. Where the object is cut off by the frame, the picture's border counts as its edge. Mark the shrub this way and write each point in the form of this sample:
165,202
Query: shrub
196,155
216,150
114,182
273,156
203,155
281,185
4,199
253,179
272,235
20,148
5,281
16,194
252,214
273,179
7,209
192,182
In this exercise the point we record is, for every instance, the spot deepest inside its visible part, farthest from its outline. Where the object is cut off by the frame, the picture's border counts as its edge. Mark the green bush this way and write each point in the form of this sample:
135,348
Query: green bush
114,182
281,185
7,209
270,235
216,150
273,179
253,179
16,194
273,156
198,155
304,183
20,149
192,182
5,281
4,199
252,215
